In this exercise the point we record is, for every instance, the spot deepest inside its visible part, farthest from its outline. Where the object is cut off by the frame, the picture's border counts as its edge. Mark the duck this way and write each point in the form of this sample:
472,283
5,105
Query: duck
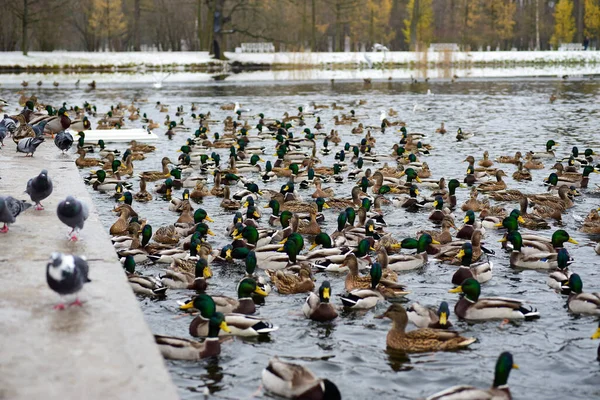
175,348
471,308
143,285
530,163
444,236
441,129
83,162
227,305
407,262
498,391
422,339
558,279
136,147
239,324
580,302
473,203
290,283
509,159
151,176
294,381
466,231
530,221
493,186
486,162
549,153
317,306
462,135
388,288
426,317
591,224
480,271
365,298
529,257
187,280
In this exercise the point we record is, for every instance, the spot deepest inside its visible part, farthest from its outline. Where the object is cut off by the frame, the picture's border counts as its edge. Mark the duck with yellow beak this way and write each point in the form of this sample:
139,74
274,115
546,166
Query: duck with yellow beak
317,307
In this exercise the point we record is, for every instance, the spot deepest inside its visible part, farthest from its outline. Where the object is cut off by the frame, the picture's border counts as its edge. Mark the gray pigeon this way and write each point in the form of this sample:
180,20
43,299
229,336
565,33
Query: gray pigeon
10,208
72,213
66,274
63,140
39,128
29,145
39,188
7,126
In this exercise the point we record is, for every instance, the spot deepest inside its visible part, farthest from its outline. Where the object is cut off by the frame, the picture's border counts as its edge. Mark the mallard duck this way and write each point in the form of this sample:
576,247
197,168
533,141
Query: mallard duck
407,262
466,231
530,163
485,162
365,298
580,302
529,257
294,381
227,203
318,307
239,324
143,195
140,147
438,214
441,129
444,236
530,221
290,283
480,271
227,305
473,204
549,153
493,186
498,391
143,285
558,280
462,135
521,174
174,348
427,317
83,162
506,195
591,224
186,280
510,160
471,308
419,340
151,176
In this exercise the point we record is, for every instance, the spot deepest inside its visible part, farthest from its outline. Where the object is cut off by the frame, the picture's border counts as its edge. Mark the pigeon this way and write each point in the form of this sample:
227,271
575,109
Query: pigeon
39,188
7,126
66,274
29,145
10,208
72,213
63,140
39,128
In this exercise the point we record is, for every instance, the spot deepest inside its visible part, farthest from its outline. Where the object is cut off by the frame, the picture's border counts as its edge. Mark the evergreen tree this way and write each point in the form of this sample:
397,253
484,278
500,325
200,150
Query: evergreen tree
592,19
107,20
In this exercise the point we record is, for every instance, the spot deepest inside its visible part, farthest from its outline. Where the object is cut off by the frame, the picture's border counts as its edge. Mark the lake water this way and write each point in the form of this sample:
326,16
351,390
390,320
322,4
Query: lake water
555,354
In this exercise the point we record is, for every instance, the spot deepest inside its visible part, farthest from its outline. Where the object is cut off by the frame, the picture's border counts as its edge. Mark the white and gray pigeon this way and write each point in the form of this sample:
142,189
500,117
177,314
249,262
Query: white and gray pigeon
39,188
10,208
7,127
66,274
72,213
63,140
29,145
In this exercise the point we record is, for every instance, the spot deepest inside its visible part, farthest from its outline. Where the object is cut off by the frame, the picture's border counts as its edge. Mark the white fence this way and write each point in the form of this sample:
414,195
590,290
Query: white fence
256,48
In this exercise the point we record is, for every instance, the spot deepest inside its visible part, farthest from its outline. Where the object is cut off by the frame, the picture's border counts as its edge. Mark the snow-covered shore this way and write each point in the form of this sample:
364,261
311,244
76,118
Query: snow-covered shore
190,60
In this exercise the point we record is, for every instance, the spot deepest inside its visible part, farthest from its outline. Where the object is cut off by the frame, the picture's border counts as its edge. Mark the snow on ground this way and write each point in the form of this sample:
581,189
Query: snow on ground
158,59
104,79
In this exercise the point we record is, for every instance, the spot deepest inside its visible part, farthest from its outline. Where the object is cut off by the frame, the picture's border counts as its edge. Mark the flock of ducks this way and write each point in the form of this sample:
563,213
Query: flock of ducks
280,231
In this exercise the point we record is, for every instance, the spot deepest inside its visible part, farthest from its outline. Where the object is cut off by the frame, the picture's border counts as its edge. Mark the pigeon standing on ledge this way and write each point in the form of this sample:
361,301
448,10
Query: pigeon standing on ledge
29,145
10,208
66,274
39,188
72,213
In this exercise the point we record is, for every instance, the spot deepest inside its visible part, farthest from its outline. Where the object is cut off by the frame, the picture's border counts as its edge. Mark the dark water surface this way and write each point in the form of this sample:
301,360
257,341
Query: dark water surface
557,359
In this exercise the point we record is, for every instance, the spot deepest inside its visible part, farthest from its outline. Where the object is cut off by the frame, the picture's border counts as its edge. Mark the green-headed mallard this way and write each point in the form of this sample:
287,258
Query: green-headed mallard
227,305
143,285
481,271
498,391
317,306
426,317
174,348
293,381
580,302
407,262
472,308
549,153
365,298
419,340
529,257
558,280
239,324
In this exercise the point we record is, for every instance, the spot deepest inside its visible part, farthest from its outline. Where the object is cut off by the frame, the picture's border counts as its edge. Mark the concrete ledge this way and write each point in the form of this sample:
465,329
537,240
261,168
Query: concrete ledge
103,350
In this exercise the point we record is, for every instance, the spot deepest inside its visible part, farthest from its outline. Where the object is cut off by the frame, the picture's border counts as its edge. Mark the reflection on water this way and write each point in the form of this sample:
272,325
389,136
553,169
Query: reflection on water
505,116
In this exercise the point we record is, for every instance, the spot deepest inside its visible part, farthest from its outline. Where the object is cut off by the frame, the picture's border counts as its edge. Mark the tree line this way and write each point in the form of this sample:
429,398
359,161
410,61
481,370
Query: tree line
294,25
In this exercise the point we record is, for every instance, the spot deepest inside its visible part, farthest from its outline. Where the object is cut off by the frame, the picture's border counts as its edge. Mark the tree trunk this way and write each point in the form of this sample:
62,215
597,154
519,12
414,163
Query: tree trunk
199,23
579,19
313,34
414,20
537,25
336,26
136,26
25,21
372,28
218,42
